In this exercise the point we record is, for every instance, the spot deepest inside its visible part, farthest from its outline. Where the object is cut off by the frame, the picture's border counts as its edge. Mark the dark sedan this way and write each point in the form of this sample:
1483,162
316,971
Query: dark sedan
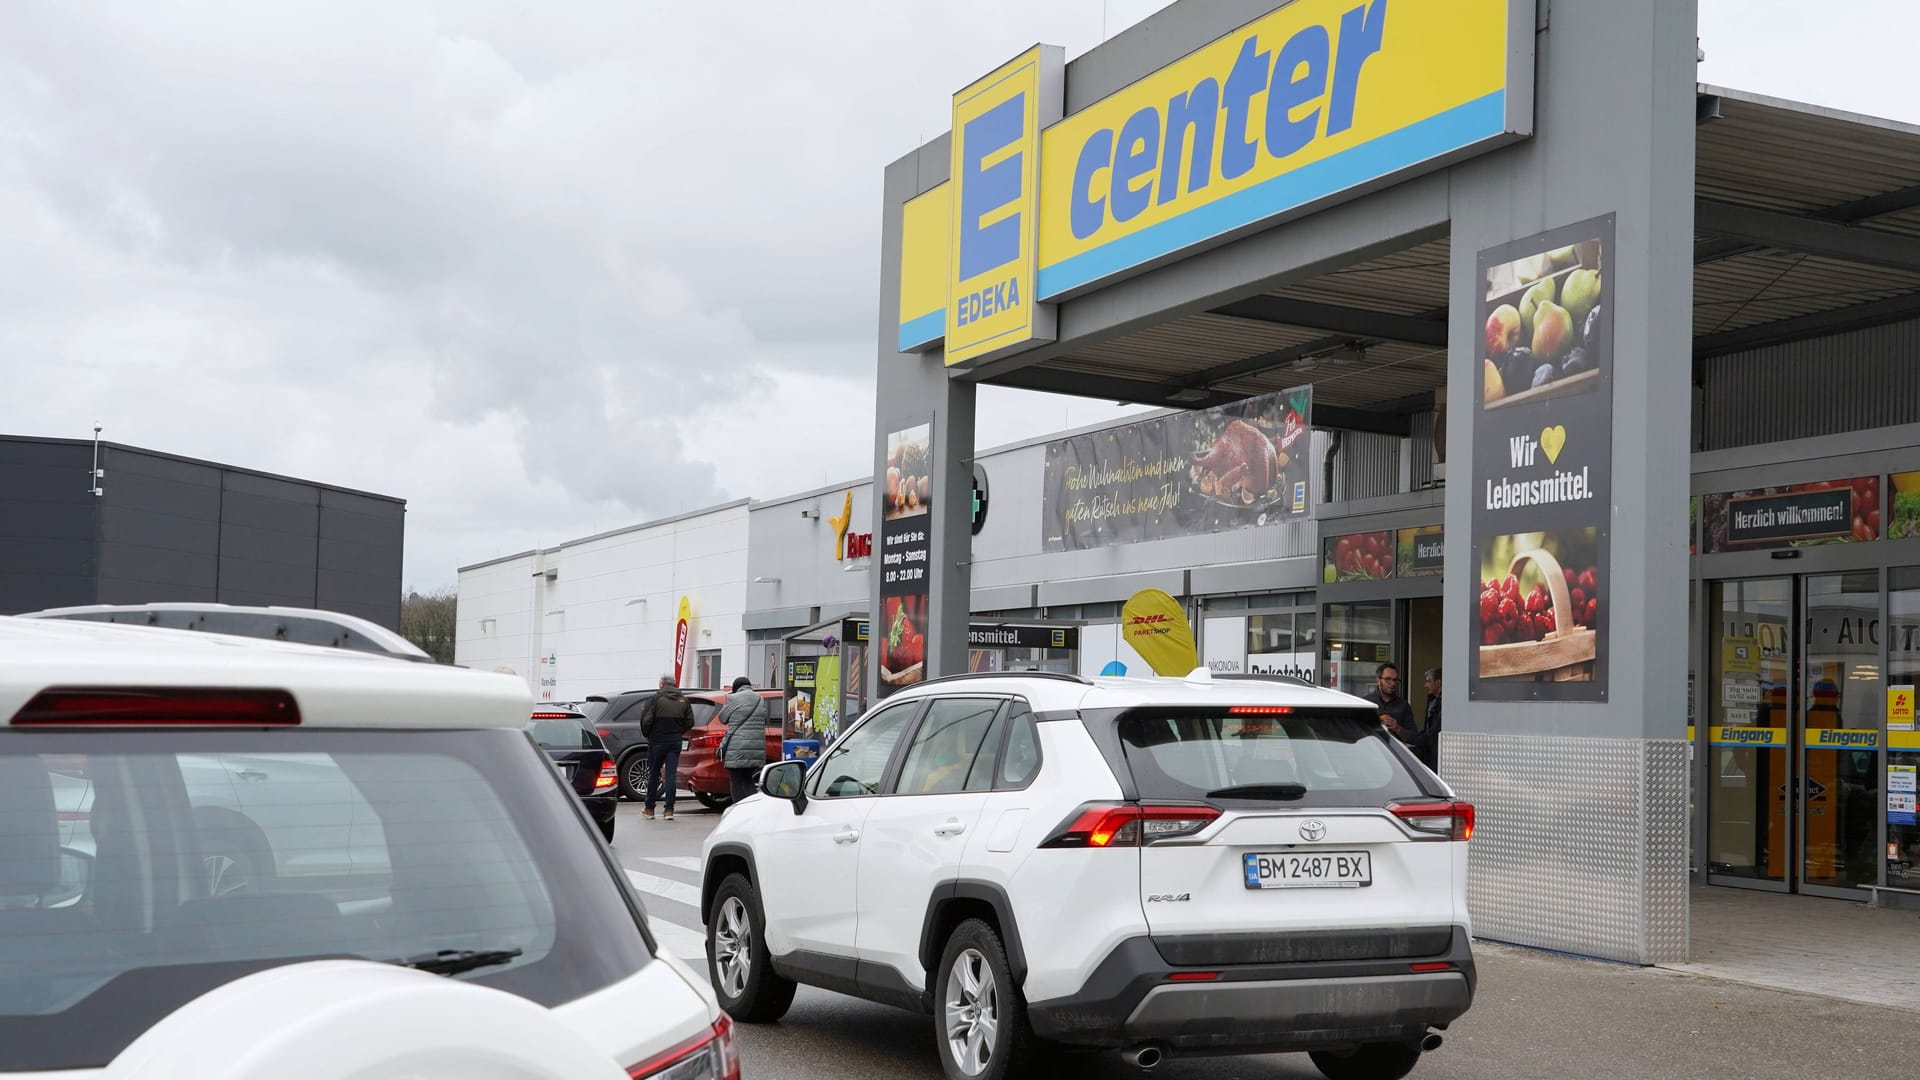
582,761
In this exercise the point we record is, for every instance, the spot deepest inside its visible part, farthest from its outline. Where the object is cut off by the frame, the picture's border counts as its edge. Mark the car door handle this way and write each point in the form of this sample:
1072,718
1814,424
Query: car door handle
251,774
847,836
951,828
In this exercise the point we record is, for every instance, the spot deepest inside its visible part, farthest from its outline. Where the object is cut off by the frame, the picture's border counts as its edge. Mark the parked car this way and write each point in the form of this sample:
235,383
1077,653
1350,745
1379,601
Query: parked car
582,761
452,908
1158,866
616,719
701,770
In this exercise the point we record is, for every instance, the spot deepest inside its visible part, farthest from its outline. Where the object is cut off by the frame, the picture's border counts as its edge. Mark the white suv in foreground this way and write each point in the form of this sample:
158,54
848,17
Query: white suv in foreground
420,895
1161,866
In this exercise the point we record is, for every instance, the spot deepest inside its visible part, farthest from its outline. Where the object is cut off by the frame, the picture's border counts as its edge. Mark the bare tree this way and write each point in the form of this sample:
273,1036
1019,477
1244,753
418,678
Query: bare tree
428,620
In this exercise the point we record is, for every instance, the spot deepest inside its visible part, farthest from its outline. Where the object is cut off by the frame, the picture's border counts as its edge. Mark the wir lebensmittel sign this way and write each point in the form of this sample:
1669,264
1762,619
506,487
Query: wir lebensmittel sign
1801,515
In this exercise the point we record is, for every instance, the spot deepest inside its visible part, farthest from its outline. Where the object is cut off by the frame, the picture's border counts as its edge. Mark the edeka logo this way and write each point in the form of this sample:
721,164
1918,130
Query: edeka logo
991,307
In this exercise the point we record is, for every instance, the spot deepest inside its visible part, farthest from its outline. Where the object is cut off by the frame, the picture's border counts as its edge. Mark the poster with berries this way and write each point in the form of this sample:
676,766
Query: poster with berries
1542,468
905,549
1237,466
1798,515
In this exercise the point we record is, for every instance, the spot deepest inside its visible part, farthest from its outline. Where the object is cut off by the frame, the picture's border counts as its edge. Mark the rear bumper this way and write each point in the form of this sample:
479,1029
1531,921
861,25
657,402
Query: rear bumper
1130,999
602,808
701,772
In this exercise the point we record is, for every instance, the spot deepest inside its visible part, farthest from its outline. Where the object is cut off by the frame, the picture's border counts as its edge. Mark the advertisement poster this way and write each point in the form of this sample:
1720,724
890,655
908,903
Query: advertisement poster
1801,515
682,627
1542,468
1900,794
1234,467
826,699
1153,624
801,676
1421,552
550,677
1367,556
905,547
1904,522
1900,708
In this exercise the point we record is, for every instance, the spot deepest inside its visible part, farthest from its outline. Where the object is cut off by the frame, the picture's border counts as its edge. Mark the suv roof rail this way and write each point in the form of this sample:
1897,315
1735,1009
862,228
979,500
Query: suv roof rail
1057,676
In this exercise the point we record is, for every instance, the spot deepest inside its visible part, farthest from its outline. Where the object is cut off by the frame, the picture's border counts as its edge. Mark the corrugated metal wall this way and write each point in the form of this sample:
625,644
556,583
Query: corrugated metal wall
1368,466
1421,450
1804,389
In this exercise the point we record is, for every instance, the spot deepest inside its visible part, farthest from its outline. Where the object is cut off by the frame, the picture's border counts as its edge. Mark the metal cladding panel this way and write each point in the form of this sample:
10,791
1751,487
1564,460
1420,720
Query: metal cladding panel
1821,386
1579,845
1422,449
1367,467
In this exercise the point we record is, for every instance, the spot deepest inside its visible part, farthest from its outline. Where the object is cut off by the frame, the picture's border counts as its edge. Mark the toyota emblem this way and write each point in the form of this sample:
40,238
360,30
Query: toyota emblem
1312,829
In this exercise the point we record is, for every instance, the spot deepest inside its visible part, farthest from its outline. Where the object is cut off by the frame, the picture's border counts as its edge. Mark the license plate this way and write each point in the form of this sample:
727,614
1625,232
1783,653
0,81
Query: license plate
1308,870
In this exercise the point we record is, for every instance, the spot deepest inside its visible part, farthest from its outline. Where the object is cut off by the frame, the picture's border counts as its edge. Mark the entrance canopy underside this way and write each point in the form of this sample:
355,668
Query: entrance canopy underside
1807,223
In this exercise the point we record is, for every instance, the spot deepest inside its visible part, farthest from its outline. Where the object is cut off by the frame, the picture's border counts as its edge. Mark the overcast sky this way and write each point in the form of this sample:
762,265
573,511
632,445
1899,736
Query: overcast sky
513,261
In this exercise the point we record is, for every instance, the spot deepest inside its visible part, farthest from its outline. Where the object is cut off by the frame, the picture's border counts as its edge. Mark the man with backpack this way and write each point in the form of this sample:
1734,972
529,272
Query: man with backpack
665,721
743,749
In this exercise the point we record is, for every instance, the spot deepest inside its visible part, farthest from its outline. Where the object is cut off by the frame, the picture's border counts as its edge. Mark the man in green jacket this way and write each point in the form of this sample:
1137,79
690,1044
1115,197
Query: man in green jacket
665,722
743,749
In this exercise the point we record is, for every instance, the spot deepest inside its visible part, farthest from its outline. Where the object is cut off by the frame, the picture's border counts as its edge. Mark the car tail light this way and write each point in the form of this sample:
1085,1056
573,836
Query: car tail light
158,707
551,715
1101,825
1261,710
1449,818
706,741
709,1056
1193,976
608,777
1438,965
604,733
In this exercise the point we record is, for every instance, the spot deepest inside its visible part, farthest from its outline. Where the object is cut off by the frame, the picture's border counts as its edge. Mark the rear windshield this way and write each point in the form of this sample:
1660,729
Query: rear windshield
139,870
1311,759
563,735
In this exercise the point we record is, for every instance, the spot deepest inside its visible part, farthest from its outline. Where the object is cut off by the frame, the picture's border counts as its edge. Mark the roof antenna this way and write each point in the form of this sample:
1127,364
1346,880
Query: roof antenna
96,474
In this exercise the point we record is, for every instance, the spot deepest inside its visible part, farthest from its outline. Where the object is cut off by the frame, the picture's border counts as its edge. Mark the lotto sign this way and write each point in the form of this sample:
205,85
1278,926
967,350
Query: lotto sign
1900,708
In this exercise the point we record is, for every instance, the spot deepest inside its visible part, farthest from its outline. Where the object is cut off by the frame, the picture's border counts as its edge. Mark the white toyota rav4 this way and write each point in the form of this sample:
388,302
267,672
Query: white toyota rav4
1160,866
225,859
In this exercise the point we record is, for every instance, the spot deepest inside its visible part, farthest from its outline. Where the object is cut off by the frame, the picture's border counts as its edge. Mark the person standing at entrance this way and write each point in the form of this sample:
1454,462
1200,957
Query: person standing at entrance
743,749
1395,714
1426,742
665,723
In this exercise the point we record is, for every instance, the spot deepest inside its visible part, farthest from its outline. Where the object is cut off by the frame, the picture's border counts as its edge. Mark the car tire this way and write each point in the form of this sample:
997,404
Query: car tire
712,802
234,855
979,1015
738,963
1374,1061
633,775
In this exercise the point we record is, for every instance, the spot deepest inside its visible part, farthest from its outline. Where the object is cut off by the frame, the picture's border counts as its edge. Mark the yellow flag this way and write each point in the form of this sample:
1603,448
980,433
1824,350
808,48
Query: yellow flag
1153,624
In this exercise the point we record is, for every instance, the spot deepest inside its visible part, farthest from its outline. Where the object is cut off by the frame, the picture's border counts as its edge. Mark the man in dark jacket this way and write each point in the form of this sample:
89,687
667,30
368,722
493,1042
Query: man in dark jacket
743,749
1395,714
1426,744
665,722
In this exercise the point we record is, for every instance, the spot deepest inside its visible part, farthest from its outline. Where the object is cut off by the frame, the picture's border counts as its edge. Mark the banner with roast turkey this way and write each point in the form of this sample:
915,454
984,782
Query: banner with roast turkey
1238,466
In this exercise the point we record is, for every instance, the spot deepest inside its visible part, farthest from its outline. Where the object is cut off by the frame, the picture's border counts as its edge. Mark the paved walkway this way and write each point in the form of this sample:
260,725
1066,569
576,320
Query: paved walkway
1832,948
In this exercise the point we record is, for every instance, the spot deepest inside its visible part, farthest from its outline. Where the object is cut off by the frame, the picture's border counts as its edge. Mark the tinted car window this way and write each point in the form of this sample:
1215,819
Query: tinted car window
1335,758
1021,759
857,764
139,870
563,735
946,745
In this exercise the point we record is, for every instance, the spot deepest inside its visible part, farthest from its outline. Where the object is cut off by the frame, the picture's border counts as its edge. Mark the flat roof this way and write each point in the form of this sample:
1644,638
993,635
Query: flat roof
48,440
654,524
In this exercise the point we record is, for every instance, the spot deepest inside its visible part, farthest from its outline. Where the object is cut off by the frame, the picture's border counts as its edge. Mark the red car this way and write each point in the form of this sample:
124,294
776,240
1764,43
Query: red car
700,768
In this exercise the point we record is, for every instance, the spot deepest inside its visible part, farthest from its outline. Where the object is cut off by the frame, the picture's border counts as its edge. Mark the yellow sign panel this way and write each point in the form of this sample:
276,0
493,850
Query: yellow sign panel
1842,739
991,306
924,246
1315,101
1740,656
1155,626
1748,736
1900,708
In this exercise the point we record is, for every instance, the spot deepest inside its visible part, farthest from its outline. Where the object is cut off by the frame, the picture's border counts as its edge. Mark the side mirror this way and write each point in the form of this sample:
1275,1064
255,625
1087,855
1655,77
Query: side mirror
786,780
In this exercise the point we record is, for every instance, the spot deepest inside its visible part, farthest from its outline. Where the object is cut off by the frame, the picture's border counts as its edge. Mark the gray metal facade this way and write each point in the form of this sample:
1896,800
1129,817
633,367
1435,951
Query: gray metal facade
173,529
1803,389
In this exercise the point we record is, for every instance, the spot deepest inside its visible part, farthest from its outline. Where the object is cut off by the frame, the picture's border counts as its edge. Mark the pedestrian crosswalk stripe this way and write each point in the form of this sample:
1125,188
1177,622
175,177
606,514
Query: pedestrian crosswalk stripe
666,888
678,862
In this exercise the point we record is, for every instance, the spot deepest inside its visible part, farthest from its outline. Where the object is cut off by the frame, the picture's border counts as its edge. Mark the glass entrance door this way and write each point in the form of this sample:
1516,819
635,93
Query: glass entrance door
1840,797
1747,705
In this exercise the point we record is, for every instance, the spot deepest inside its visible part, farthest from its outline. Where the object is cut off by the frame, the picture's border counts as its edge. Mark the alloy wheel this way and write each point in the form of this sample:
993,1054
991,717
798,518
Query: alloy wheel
972,1013
733,947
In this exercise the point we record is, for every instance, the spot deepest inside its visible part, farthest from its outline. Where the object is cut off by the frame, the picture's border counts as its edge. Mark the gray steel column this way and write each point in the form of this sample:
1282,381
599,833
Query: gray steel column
1582,835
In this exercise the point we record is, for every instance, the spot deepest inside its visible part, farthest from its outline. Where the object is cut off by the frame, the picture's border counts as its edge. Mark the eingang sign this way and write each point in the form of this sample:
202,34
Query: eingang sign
1315,101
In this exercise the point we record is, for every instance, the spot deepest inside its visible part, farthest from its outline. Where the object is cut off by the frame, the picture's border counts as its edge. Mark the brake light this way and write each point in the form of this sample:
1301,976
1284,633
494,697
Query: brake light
709,1056
607,778
604,733
551,715
1260,710
158,707
706,742
1452,819
1101,825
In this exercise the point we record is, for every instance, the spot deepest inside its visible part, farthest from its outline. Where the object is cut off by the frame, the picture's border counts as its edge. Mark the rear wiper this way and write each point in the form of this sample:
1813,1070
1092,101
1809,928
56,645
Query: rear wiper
1260,791
455,961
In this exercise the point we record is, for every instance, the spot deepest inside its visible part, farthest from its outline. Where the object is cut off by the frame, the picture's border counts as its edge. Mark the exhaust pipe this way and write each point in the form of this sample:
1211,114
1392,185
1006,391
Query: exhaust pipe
1144,1057
1430,1043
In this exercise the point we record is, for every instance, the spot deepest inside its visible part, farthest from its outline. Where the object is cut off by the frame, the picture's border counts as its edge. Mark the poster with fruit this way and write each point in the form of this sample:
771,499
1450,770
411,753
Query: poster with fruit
905,547
1237,466
1904,521
1367,556
1542,467
1841,511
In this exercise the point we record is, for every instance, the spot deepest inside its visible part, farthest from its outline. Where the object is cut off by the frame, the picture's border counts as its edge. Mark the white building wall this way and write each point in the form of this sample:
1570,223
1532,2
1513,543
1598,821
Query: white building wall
607,618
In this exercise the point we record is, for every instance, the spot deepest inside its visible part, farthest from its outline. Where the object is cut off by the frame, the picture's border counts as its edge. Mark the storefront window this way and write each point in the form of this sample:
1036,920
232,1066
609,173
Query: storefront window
1359,638
1903,758
1282,644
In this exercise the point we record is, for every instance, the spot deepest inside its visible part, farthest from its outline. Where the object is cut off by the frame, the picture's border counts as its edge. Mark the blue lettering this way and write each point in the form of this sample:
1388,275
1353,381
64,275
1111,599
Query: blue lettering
987,302
984,190
1013,295
1087,213
1139,149
1198,109
1248,77
1360,32
1294,87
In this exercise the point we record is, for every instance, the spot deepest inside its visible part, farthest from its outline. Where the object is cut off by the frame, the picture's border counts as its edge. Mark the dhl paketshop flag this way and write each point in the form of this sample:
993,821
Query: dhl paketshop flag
1155,627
